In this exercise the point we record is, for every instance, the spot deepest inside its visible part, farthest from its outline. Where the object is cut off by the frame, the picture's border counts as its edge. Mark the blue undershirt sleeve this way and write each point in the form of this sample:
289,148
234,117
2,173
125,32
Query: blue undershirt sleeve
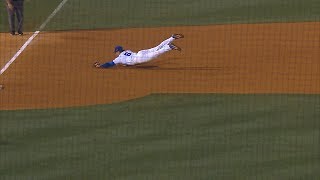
108,64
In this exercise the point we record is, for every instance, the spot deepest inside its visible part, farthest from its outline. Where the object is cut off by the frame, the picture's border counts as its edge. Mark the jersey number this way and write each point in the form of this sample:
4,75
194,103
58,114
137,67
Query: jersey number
127,54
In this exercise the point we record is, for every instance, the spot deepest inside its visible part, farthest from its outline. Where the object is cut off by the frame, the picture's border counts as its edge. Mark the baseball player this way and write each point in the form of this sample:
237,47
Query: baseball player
129,58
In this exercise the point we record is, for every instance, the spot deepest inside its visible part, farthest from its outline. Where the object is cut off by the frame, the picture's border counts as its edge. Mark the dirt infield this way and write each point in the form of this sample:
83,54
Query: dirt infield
9,45
56,69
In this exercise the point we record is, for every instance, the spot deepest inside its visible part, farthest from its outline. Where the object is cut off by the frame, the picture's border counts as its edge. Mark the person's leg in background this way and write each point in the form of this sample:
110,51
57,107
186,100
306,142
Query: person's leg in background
11,19
19,12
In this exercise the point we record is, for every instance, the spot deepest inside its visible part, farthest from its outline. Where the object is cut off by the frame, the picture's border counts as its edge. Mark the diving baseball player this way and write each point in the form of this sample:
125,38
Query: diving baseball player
128,58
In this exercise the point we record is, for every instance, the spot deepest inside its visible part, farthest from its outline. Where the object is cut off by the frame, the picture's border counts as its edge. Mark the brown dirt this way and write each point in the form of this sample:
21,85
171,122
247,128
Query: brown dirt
56,69
9,45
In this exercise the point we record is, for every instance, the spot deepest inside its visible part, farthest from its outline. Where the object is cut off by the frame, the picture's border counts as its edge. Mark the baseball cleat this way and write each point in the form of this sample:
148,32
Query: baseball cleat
96,64
177,36
174,47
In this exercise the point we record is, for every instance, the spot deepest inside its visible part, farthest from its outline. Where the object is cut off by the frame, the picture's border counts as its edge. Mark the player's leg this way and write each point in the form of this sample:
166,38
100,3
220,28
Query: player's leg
165,42
145,56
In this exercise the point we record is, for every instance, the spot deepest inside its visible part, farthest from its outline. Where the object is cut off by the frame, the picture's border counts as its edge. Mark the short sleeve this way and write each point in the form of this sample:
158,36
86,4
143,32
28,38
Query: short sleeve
117,60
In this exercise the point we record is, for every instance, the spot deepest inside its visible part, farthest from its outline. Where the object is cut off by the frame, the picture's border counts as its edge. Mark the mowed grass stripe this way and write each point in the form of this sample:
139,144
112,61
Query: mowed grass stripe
166,137
83,14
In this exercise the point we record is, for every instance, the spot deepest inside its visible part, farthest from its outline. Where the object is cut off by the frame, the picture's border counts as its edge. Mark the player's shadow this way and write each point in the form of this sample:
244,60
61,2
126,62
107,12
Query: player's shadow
153,67
147,67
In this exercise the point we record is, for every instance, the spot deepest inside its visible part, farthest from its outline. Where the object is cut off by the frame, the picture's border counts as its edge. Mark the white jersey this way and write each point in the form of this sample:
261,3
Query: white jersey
127,57
131,58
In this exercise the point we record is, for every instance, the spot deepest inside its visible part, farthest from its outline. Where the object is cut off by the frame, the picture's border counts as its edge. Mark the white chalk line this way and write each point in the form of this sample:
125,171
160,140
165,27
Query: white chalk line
24,46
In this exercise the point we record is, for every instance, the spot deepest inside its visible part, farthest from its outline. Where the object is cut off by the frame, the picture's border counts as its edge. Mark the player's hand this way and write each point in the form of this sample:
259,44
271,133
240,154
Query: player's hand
96,64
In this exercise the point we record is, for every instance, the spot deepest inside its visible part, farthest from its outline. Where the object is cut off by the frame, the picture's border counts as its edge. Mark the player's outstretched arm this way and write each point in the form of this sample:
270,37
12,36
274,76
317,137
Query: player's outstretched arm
105,65
108,65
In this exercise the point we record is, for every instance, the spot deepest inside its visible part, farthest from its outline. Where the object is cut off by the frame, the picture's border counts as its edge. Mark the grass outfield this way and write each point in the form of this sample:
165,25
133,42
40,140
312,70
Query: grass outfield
166,137
84,14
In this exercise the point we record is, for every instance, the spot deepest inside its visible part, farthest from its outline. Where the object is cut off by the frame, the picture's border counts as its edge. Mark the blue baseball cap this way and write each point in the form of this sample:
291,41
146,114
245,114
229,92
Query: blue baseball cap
118,49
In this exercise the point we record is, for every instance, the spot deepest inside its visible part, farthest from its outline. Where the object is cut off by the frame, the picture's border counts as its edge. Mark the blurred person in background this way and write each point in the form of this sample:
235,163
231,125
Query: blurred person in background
15,9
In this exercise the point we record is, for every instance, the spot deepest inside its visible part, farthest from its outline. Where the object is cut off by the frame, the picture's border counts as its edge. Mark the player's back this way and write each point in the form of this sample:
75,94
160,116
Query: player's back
126,57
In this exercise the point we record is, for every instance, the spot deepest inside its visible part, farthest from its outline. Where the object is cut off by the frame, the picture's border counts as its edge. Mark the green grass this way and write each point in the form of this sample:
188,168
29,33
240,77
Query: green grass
166,137
36,12
84,14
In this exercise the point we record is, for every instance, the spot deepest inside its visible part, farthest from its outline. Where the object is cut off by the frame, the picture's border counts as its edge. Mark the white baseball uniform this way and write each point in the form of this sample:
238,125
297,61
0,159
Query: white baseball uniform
128,57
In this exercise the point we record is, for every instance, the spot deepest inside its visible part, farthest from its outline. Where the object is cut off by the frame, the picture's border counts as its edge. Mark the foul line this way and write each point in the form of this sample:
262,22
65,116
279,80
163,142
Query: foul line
43,25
